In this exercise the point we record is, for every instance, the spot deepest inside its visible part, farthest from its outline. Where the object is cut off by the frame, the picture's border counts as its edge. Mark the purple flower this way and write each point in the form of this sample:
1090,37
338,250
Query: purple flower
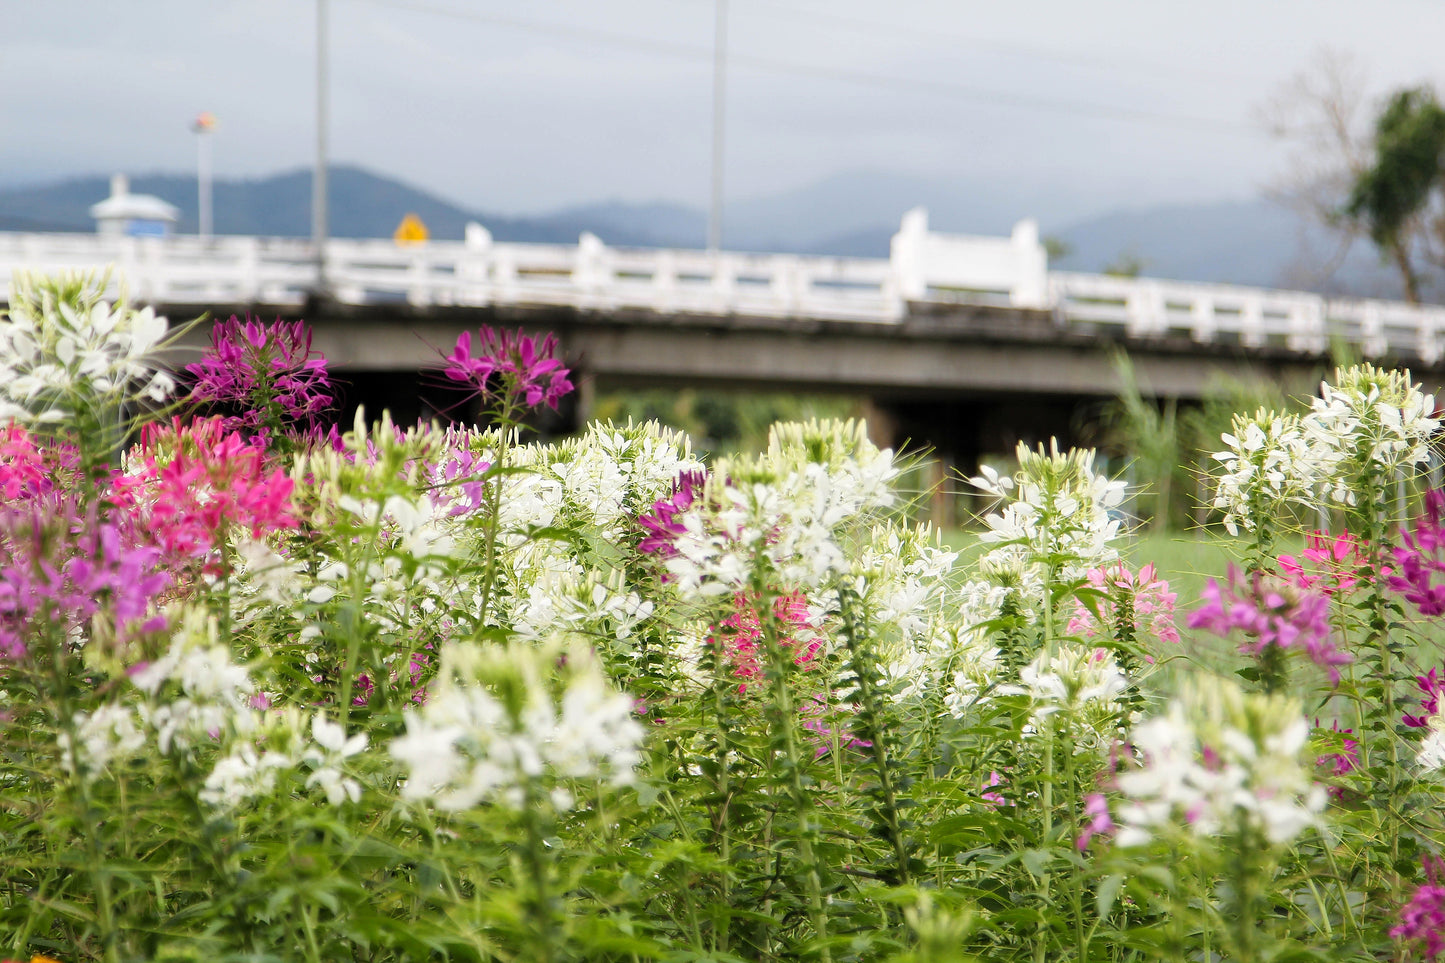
1341,763
509,364
1423,918
1270,611
266,371
63,566
1420,557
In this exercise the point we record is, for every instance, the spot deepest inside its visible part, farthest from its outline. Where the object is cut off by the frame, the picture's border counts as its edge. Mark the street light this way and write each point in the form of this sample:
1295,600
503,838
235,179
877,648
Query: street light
719,89
202,126
318,180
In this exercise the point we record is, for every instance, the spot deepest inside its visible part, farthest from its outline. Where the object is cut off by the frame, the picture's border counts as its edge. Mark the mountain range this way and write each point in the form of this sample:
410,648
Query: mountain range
1252,241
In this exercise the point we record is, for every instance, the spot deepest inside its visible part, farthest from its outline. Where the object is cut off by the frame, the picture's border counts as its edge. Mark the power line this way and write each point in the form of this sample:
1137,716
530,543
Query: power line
931,36
704,54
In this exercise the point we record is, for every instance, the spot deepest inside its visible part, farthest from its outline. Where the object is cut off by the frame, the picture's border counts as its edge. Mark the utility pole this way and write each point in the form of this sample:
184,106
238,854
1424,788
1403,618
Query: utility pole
719,90
202,127
318,179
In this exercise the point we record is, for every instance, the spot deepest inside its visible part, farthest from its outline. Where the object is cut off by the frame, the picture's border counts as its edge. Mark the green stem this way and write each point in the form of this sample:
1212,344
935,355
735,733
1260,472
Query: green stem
540,907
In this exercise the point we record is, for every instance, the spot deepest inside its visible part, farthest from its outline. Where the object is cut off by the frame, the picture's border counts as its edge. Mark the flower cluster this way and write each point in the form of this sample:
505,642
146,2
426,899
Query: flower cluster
740,636
1126,604
501,722
1058,512
1269,464
1335,563
1422,919
1370,421
509,365
1220,759
1421,557
199,482
1270,611
266,372
65,351
64,566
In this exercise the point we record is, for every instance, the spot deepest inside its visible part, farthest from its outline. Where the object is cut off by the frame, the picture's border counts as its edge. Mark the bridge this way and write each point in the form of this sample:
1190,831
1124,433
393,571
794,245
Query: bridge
964,342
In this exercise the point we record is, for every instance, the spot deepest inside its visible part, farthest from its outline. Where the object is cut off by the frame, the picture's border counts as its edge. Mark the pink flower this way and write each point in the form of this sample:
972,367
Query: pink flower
1143,600
1337,563
1097,808
1269,610
994,779
1422,919
511,365
28,469
740,635
197,482
1343,762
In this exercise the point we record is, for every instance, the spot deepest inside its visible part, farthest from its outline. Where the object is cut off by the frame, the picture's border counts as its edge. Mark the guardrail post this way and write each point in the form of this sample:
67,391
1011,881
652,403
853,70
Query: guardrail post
1307,325
1372,331
472,265
905,255
504,274
1145,309
248,268
724,282
1202,324
1427,335
787,283
591,274
1251,322
418,281
1031,289
664,280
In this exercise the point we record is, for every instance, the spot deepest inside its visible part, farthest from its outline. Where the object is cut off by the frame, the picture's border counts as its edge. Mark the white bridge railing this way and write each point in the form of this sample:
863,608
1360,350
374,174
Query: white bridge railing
924,268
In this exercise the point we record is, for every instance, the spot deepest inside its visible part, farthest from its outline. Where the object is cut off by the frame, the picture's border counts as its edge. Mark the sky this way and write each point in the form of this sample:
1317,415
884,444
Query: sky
521,107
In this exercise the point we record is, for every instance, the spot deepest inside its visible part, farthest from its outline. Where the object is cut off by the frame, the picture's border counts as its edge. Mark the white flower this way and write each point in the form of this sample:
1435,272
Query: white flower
1269,464
242,775
106,734
471,743
1217,759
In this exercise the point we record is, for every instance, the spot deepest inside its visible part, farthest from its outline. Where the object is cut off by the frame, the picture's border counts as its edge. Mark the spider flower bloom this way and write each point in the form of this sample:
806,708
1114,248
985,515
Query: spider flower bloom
1422,920
1336,563
740,635
1433,687
509,365
1140,602
267,371
28,470
661,524
61,565
214,481
1270,611
1421,557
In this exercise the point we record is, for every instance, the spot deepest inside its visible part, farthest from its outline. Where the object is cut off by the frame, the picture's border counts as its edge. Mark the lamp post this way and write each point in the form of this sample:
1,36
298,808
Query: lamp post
202,126
719,89
318,180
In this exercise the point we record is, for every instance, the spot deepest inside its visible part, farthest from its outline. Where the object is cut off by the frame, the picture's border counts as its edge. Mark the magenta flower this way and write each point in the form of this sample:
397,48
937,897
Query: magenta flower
661,524
1341,763
1145,600
509,365
1421,557
1433,688
28,469
1422,919
1270,611
267,372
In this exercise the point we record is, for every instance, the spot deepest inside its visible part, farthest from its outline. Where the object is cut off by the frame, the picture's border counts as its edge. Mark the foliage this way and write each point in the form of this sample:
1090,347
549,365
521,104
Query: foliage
441,693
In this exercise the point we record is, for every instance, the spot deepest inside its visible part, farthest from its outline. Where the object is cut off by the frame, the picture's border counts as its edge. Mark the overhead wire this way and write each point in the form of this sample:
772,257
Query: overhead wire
699,52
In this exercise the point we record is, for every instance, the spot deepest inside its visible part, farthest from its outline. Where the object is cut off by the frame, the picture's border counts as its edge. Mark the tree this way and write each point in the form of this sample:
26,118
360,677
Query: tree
1389,198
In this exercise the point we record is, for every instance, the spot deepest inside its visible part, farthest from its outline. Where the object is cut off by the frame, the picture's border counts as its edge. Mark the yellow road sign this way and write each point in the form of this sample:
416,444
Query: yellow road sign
410,231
